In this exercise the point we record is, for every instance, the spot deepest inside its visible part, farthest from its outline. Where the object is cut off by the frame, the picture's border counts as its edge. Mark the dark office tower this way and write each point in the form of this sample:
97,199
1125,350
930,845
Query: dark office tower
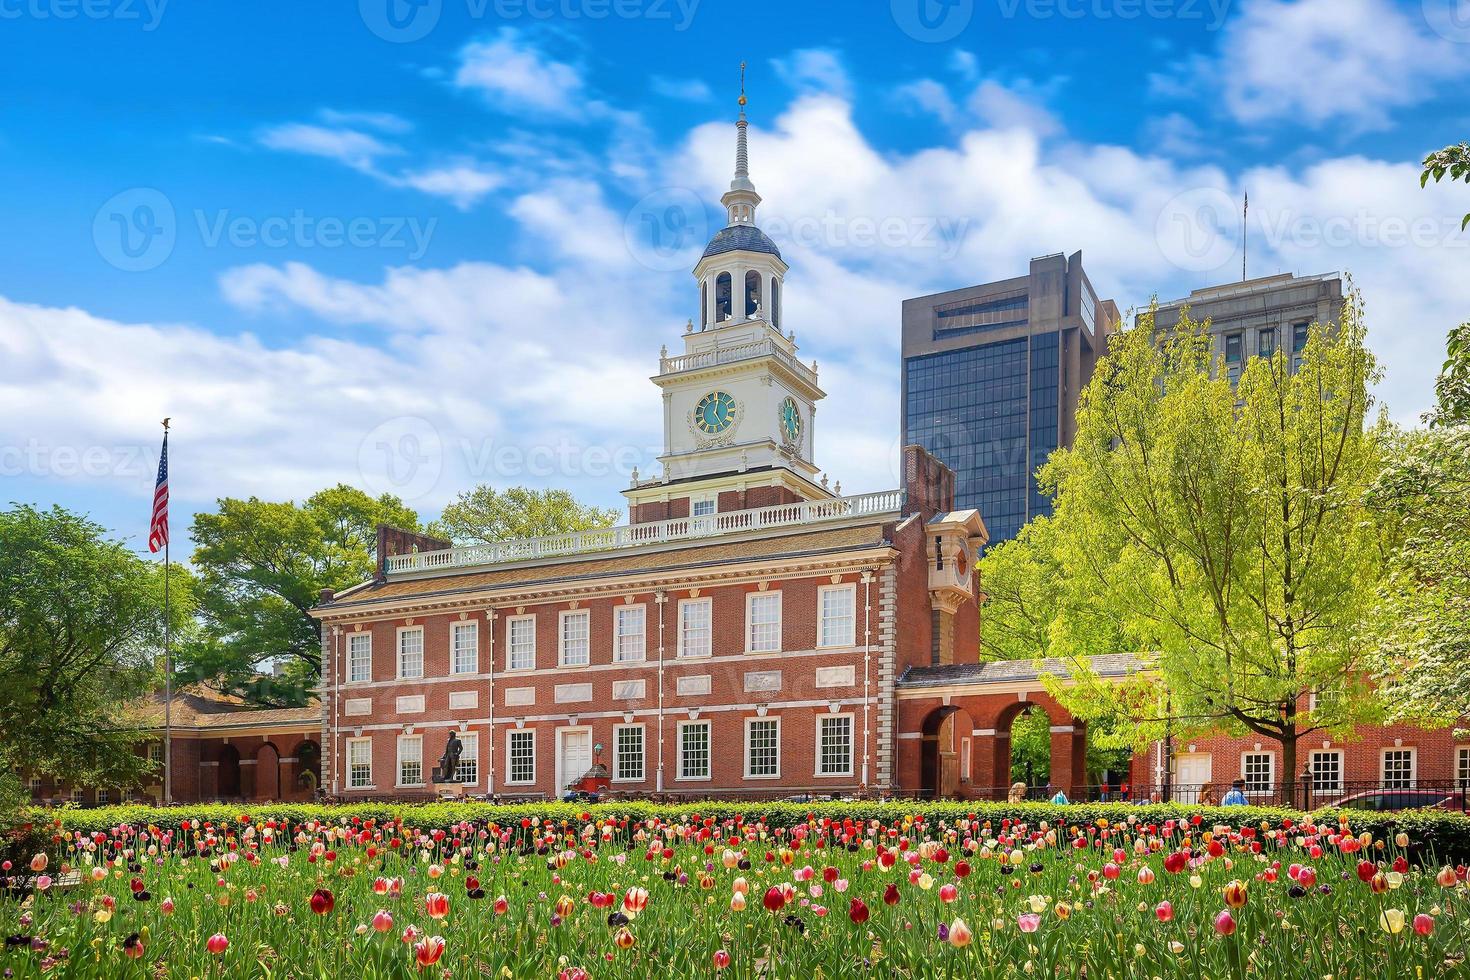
991,376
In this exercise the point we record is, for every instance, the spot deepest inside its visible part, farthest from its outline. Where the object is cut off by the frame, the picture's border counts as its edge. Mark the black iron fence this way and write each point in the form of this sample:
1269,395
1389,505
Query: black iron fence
1304,794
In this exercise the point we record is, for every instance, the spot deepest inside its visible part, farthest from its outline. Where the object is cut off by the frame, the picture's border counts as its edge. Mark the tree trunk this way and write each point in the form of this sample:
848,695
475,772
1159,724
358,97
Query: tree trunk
1288,773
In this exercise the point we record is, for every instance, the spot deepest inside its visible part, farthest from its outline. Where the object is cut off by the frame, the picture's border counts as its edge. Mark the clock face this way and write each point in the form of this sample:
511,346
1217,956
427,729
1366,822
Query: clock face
715,413
790,420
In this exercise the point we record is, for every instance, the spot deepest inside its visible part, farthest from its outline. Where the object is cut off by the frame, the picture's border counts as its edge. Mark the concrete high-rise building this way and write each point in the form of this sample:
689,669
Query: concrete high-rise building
1257,316
991,375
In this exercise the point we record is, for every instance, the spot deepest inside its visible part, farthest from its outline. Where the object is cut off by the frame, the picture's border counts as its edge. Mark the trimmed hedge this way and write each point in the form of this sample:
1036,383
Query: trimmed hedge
1435,835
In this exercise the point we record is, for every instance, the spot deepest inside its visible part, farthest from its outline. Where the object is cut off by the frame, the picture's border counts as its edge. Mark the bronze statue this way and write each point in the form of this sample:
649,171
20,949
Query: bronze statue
448,769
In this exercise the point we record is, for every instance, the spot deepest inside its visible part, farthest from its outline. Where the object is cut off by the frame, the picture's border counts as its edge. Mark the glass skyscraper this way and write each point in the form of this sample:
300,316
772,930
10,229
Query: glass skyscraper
991,375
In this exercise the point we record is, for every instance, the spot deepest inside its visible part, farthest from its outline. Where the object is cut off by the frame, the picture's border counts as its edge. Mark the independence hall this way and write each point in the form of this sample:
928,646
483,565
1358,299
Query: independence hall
744,633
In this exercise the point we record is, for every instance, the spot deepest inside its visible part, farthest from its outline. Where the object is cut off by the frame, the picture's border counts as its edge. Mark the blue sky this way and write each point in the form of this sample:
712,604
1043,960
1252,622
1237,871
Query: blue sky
418,244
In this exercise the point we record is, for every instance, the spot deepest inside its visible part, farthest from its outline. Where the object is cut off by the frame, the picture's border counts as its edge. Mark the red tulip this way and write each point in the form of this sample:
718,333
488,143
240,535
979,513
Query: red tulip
428,950
1164,911
774,901
890,894
858,911
436,905
217,943
721,959
322,901
1176,862
1225,923
1423,924
383,921
1366,871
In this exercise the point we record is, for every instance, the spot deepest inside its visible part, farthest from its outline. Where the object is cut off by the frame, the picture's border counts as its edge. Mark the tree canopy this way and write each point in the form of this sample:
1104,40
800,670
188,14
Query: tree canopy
262,566
81,635
1219,530
485,515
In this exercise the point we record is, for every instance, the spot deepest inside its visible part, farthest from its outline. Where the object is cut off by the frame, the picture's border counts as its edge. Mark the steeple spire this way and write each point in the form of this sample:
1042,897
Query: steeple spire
741,200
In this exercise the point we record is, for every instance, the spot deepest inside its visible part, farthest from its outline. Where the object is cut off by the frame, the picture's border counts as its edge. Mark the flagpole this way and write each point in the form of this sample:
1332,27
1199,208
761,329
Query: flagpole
168,673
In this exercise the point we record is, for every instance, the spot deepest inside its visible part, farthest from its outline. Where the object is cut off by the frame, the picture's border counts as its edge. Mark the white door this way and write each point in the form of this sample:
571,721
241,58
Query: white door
574,756
1193,774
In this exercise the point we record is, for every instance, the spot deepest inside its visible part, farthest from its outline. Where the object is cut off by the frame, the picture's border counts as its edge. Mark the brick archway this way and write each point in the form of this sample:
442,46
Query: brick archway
267,772
981,701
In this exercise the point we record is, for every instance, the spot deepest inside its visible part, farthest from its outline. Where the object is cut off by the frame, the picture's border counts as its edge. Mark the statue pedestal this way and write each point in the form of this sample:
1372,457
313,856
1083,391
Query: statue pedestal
449,791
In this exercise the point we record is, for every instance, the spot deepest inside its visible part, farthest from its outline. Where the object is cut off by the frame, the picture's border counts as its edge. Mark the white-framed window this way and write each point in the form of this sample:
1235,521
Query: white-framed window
520,643
104,797
410,760
359,658
521,756
834,746
464,648
1258,769
468,770
627,753
762,748
695,627
964,760
837,615
763,622
1398,768
359,763
78,795
1462,766
33,785
155,753
574,648
693,750
1326,767
630,633
702,506
410,653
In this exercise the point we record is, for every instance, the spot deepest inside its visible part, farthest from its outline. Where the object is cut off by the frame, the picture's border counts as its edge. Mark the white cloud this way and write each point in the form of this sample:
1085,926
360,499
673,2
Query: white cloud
927,96
814,70
1006,107
516,76
686,89
462,183
386,122
1320,61
964,64
1175,135
349,147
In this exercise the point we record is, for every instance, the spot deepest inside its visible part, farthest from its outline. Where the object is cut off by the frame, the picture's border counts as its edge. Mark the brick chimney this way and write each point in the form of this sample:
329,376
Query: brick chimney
928,484
396,541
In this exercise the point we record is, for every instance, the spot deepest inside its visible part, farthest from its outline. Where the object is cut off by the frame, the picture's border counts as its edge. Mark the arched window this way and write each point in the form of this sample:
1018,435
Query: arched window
703,304
722,297
775,302
752,293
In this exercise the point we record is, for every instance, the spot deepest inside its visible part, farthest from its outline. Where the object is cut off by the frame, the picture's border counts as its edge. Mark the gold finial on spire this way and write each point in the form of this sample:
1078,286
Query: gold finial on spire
742,83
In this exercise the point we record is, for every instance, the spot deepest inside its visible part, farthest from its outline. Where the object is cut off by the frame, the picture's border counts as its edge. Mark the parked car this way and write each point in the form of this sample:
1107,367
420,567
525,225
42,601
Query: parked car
1401,799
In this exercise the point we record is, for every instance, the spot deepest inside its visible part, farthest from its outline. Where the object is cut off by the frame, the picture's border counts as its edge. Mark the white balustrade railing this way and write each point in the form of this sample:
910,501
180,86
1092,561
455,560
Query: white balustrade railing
737,352
654,532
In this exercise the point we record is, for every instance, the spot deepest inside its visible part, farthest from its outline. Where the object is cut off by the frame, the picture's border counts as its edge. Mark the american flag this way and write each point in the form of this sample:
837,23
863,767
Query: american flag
158,525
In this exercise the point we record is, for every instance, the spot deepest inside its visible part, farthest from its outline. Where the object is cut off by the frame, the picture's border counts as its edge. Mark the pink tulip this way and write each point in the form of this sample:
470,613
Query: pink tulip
948,893
383,921
1164,911
1028,921
1225,923
217,943
1423,924
1145,875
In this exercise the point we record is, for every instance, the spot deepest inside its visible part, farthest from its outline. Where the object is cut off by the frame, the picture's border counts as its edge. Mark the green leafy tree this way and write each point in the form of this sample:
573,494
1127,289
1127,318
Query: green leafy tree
485,515
1425,492
1224,529
262,566
1452,161
81,636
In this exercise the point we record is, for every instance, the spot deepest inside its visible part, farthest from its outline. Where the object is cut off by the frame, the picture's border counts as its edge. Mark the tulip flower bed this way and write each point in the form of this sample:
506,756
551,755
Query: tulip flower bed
699,896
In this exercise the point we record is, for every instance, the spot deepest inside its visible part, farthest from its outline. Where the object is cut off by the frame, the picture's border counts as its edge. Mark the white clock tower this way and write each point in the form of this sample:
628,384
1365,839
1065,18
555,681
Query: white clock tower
739,405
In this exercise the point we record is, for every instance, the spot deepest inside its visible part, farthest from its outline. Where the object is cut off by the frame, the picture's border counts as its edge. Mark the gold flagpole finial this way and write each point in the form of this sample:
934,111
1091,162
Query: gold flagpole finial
742,83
